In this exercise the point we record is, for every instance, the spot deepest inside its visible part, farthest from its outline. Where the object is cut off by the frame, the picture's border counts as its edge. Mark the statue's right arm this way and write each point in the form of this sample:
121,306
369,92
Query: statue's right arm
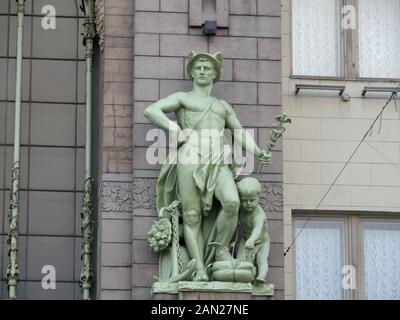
156,112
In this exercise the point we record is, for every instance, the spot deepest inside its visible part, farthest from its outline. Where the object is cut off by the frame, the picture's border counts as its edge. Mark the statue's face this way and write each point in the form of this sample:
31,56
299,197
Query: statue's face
203,72
249,202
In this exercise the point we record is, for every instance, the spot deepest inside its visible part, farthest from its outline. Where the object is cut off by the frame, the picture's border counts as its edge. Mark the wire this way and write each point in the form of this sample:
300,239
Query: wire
368,132
382,155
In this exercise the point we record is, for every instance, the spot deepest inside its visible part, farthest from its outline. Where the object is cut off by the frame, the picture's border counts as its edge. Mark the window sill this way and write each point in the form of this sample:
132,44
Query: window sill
317,78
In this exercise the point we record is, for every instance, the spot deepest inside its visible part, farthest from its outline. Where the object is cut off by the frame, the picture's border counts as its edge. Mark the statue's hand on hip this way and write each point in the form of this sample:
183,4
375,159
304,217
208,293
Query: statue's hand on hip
177,136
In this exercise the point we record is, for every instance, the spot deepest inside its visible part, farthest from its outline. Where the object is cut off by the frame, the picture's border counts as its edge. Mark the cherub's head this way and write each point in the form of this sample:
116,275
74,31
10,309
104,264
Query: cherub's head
249,192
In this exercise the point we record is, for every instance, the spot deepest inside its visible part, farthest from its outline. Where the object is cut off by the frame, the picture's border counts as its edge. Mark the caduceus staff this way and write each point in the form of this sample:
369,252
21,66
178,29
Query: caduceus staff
277,131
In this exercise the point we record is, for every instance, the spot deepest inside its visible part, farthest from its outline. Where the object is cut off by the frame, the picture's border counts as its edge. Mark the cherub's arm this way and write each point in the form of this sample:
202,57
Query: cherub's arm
156,112
258,225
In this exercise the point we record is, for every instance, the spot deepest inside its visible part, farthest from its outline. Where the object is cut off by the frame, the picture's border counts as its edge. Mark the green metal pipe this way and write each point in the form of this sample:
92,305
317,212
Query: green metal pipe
86,277
12,270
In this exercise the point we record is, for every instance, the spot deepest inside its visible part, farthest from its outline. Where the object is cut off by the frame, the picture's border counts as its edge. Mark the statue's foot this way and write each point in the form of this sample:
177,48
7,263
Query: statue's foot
223,254
200,275
259,282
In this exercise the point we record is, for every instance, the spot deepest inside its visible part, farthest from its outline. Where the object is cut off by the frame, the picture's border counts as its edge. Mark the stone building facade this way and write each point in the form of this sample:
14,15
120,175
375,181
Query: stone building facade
359,214
141,58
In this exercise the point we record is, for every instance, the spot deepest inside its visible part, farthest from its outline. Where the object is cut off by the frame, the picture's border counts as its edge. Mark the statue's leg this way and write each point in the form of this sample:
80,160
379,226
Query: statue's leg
241,252
262,262
192,216
227,194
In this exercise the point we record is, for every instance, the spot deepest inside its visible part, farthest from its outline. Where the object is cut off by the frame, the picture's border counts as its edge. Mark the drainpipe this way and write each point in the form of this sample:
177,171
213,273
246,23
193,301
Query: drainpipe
86,277
12,270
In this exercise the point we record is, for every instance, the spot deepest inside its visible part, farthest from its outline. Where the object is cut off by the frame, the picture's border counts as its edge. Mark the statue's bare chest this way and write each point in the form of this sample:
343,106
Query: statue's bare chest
203,112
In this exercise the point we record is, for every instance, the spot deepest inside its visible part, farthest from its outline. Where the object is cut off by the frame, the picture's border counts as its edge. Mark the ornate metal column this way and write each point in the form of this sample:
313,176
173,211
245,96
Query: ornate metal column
86,276
12,270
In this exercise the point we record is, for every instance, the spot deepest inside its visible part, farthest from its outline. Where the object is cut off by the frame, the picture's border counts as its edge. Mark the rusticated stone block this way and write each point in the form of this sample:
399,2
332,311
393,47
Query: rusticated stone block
116,278
253,26
159,67
262,71
118,71
146,89
147,5
234,47
243,7
116,231
142,252
269,8
236,92
174,5
270,94
161,22
142,274
118,93
119,7
116,295
269,49
119,26
181,45
147,44
116,254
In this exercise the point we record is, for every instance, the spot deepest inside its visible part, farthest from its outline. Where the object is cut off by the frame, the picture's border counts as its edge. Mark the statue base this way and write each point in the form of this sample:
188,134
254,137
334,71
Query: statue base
213,290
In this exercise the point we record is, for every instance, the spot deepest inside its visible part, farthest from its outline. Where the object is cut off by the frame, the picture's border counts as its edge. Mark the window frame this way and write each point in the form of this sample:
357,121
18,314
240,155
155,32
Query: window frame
318,217
349,51
342,75
353,242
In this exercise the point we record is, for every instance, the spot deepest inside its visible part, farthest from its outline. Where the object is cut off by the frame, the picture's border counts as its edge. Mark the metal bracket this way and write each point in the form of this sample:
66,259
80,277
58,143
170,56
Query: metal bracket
319,87
378,89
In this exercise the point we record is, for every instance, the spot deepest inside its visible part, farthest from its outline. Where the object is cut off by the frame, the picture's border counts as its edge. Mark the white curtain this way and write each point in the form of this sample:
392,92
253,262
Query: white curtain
316,37
319,260
381,260
379,27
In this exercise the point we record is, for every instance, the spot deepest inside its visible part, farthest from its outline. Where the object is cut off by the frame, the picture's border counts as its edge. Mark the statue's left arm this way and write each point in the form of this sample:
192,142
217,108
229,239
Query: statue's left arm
242,136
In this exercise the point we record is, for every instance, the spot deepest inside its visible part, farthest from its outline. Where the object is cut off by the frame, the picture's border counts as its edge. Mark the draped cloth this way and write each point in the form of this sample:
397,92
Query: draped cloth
205,174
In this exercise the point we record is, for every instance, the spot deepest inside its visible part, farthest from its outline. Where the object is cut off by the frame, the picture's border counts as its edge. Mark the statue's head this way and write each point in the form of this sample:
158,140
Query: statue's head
249,190
209,65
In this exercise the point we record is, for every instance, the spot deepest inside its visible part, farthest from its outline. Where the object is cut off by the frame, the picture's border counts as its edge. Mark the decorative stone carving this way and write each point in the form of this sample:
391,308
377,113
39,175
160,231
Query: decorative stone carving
144,193
99,21
272,197
116,197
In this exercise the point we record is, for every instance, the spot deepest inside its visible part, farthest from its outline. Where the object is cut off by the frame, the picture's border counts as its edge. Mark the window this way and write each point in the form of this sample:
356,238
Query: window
379,45
331,241
381,243
319,259
321,47
316,37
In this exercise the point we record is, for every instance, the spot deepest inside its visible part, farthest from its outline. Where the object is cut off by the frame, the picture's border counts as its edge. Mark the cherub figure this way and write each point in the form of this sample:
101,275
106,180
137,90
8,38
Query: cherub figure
255,245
